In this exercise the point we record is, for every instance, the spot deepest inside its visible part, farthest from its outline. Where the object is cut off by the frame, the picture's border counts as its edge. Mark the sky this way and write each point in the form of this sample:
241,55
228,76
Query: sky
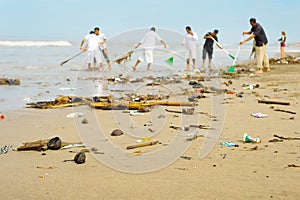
73,19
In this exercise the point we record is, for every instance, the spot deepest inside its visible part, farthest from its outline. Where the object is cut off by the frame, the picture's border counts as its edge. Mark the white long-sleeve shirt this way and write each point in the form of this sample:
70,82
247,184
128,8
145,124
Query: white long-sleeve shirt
190,41
149,40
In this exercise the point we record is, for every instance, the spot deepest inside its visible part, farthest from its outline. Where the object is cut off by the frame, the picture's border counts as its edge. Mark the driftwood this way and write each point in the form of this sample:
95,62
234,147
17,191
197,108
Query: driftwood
40,145
286,111
136,105
59,102
293,165
274,102
188,128
142,145
173,111
286,138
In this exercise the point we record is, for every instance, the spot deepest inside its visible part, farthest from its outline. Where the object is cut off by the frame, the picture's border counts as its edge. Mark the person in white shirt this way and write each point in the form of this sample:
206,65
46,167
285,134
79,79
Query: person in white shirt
102,45
190,41
148,43
92,48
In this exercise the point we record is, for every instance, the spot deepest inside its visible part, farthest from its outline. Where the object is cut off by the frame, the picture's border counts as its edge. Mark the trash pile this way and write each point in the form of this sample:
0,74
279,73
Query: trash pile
6,81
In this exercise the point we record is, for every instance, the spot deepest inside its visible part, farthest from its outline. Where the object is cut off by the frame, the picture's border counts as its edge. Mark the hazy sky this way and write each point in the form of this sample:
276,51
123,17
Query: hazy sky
72,19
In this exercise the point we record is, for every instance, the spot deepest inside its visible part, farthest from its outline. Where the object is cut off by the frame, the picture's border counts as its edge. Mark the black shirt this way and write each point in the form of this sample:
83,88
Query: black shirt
209,42
260,36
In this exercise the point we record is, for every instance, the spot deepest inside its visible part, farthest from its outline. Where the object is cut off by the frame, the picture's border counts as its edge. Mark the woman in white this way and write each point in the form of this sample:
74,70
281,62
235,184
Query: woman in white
190,41
148,43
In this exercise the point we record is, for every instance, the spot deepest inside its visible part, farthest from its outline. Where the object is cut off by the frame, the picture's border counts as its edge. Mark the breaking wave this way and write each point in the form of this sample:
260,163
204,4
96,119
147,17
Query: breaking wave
57,43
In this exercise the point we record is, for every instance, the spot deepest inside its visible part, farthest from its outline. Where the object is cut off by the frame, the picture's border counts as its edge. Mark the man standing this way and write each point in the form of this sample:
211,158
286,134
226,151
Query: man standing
208,48
190,43
259,35
93,52
148,43
102,45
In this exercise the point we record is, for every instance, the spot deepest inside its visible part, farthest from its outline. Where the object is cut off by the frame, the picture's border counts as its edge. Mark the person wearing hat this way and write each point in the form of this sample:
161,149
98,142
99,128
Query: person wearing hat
257,32
148,42
208,48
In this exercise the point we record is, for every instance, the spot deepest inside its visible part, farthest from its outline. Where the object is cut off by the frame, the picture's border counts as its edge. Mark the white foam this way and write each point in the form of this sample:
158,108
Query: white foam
9,43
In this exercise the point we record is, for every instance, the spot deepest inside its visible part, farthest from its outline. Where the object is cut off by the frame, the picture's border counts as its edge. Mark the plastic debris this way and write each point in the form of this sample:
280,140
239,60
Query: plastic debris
249,139
229,144
259,115
5,149
191,136
75,114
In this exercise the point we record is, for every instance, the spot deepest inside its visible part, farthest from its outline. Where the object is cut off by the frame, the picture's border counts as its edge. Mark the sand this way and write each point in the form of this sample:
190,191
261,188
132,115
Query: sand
225,173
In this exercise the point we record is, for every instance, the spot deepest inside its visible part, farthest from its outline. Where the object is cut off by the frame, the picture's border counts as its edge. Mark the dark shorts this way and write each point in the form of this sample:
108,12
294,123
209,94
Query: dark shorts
207,51
282,44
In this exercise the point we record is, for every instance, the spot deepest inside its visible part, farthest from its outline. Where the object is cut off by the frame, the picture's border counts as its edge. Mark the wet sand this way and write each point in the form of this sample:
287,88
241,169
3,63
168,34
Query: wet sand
250,171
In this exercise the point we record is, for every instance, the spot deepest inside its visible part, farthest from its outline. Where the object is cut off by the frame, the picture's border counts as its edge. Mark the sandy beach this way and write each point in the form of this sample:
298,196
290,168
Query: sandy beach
267,170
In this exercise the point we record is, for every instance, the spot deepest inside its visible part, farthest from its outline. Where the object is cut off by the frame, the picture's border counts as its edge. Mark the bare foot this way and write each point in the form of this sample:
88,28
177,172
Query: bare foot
260,71
134,68
188,67
267,69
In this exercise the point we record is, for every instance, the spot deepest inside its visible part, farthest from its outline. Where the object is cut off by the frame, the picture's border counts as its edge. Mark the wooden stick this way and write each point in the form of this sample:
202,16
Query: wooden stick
274,102
40,145
142,145
287,111
136,105
173,111
286,138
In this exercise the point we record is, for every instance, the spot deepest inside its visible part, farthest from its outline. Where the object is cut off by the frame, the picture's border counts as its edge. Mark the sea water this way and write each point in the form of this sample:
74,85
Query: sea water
37,65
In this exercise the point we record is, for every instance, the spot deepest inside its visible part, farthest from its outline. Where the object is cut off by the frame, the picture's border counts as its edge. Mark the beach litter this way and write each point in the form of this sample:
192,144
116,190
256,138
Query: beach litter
135,113
229,144
249,139
72,146
186,157
6,81
5,149
273,102
286,111
259,115
142,145
293,165
191,136
286,138
75,115
249,86
59,102
275,140
42,145
143,139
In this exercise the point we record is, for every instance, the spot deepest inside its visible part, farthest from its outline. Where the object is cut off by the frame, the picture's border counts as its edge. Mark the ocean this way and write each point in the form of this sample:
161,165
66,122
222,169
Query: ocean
37,65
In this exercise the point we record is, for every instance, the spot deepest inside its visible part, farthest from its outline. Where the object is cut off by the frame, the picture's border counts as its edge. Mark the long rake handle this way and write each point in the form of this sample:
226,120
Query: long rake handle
64,62
231,56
